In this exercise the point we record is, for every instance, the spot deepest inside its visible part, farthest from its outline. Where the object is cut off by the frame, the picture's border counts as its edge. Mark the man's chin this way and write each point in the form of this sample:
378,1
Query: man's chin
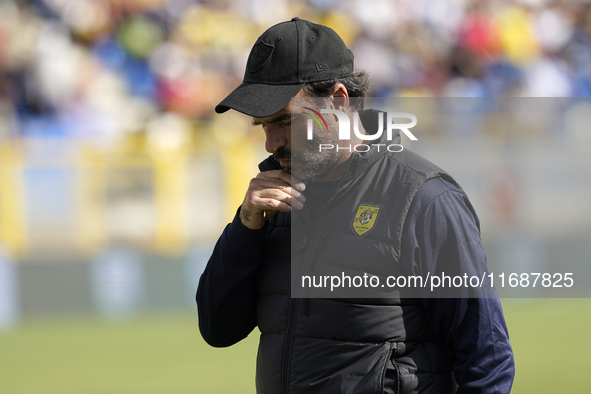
299,175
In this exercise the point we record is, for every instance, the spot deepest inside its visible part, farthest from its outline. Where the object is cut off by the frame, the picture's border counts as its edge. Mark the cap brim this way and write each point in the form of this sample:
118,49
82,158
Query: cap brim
259,100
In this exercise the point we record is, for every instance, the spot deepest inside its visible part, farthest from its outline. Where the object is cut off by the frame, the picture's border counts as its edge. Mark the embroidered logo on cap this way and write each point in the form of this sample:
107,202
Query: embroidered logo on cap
261,53
321,67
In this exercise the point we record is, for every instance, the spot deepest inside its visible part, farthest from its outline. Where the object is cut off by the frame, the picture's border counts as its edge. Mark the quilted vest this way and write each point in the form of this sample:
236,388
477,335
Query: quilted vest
348,345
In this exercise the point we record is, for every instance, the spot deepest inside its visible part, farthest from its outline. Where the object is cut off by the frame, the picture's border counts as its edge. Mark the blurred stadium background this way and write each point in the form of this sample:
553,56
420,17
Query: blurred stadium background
116,177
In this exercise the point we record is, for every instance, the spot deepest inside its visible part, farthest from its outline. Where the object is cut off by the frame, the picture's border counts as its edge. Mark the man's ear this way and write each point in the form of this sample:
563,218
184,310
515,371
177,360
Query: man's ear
340,97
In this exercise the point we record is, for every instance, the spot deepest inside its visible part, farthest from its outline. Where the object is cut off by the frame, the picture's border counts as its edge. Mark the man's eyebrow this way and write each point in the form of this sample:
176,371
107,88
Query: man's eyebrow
276,119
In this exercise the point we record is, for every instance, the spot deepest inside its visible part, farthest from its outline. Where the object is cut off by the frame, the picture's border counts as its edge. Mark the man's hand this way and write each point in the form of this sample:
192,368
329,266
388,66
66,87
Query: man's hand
268,193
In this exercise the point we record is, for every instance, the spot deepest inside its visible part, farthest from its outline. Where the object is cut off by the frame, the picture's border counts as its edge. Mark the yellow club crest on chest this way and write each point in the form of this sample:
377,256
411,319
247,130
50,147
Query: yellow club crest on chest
365,218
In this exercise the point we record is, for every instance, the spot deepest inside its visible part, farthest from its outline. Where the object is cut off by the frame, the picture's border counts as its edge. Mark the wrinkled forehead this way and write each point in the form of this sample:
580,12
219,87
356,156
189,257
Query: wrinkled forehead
283,115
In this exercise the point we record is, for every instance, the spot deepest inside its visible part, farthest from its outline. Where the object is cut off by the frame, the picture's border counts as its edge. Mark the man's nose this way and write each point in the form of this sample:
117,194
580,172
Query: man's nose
275,139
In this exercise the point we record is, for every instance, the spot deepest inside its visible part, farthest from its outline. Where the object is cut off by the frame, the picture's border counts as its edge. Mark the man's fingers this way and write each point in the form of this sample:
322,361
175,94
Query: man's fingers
264,185
276,205
285,177
297,184
280,189
266,195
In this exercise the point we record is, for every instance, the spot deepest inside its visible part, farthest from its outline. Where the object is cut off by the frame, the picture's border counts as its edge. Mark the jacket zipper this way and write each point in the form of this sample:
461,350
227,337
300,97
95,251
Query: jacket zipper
293,302
291,322
293,305
306,301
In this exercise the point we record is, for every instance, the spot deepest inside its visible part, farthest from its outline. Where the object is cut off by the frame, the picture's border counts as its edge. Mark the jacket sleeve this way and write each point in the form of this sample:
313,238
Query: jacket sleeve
226,296
442,230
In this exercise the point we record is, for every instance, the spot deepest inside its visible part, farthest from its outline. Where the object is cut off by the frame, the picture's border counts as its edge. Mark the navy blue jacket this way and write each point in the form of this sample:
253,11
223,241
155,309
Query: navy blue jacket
472,330
245,284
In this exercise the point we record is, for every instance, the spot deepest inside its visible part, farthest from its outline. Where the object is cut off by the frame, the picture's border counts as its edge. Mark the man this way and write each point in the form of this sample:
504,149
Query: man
292,214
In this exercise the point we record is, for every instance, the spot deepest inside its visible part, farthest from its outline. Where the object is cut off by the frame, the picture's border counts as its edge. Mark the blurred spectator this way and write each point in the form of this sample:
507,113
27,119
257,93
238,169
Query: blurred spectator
104,58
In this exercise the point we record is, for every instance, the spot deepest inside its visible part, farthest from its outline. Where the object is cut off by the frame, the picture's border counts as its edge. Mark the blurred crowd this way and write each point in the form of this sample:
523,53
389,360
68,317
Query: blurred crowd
108,138
103,68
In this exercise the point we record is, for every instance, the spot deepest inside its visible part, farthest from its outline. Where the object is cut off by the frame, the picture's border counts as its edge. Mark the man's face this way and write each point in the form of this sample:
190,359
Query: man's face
286,139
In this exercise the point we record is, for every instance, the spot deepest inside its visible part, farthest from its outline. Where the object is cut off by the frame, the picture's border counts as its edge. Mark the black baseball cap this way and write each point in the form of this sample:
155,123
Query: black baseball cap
282,60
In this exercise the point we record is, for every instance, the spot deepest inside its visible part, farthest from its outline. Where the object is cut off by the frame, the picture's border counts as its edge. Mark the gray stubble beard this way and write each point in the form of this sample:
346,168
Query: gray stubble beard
315,165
